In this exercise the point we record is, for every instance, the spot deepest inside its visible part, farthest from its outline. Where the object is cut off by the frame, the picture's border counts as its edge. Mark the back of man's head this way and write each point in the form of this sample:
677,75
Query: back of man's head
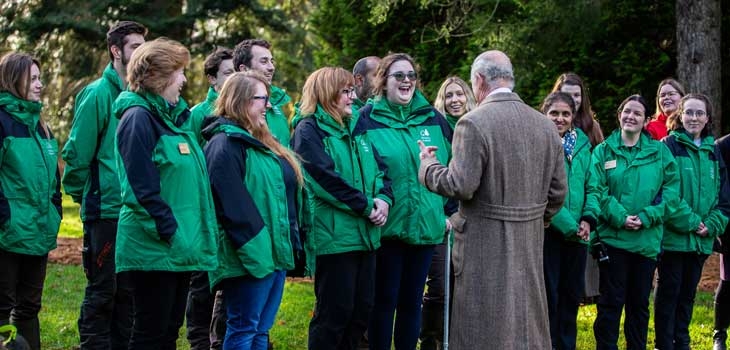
496,69
119,31
242,52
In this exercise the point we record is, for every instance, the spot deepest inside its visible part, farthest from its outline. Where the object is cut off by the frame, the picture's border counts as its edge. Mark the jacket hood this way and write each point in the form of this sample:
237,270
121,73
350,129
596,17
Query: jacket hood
399,116
217,125
152,102
278,96
708,142
26,112
111,75
648,148
324,121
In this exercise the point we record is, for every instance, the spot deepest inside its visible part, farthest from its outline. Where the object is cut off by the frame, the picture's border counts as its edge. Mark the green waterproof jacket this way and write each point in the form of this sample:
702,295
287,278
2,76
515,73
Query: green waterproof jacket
578,205
343,175
199,112
702,175
418,216
30,196
167,221
641,180
451,120
90,176
251,188
277,121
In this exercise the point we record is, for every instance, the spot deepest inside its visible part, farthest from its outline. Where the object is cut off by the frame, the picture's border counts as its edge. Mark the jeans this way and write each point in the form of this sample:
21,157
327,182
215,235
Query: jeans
159,308
21,289
105,321
564,264
251,306
679,273
625,282
344,285
400,277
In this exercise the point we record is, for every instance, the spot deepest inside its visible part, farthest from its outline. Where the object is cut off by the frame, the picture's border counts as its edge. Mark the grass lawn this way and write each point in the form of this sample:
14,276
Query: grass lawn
65,284
71,225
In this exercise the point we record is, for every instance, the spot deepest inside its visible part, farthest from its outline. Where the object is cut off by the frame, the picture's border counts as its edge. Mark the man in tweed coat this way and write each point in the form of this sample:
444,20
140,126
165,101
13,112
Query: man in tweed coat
507,171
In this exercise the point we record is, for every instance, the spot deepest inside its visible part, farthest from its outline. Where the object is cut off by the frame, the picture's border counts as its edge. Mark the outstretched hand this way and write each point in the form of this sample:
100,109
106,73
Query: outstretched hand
427,151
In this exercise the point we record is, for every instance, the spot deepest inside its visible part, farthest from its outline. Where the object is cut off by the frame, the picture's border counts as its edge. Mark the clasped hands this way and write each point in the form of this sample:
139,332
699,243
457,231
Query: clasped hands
379,215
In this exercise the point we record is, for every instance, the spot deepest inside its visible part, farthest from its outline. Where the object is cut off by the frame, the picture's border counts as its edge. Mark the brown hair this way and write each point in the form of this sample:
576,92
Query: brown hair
15,73
557,96
233,100
324,87
675,123
583,115
213,61
441,94
381,73
242,52
117,34
153,63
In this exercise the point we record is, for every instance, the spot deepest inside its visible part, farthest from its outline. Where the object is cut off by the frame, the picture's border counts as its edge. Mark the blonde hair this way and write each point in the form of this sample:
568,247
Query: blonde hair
233,100
324,87
152,64
440,101
15,73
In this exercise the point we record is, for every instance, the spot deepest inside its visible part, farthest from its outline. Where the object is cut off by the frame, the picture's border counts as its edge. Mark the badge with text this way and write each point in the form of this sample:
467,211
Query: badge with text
183,148
609,164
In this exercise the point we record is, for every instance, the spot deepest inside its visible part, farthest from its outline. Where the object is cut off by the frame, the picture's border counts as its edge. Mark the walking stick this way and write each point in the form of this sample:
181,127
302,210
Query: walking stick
447,290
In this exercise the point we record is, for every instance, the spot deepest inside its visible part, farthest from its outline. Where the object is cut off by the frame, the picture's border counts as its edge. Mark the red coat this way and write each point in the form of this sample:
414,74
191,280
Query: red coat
658,127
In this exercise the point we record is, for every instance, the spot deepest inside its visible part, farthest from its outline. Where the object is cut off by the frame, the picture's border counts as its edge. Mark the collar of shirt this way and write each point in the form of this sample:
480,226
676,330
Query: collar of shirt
500,90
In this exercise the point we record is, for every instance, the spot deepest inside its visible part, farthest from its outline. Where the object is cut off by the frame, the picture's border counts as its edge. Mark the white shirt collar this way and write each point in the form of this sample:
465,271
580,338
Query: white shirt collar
500,90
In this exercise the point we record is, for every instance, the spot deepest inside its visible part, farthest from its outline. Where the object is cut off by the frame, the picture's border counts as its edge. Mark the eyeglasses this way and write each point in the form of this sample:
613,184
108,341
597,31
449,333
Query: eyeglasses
400,76
694,113
349,92
265,98
668,94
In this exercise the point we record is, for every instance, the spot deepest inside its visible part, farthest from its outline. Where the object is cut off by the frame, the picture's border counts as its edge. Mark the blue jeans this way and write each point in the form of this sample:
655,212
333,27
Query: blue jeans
251,305
400,277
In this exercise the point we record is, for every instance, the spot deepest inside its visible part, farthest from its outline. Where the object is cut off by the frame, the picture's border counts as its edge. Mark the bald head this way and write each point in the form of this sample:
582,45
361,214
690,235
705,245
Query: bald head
364,72
491,70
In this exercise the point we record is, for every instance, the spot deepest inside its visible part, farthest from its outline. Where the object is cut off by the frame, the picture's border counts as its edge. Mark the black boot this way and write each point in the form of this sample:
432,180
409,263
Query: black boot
722,316
31,331
432,326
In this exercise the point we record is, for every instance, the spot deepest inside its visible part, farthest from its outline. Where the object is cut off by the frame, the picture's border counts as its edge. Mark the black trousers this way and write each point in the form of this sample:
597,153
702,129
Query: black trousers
199,311
344,285
21,290
679,273
105,321
564,264
159,308
625,283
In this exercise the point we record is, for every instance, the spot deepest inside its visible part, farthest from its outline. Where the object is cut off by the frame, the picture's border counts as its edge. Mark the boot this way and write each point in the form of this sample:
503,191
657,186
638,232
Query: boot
31,331
432,326
722,316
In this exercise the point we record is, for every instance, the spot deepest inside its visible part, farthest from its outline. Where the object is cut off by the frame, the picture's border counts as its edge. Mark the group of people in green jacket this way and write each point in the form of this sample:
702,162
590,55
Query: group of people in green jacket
203,211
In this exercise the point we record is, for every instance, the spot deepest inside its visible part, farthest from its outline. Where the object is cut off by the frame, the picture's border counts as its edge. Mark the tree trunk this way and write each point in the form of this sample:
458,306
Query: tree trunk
699,61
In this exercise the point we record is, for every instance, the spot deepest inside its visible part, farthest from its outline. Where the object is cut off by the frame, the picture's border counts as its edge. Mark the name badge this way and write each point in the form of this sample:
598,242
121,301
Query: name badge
185,149
610,164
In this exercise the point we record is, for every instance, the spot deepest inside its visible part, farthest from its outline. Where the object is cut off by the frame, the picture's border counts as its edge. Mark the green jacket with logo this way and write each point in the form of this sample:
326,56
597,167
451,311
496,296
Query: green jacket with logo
251,188
418,215
578,204
30,195
343,175
90,175
641,180
167,221
277,121
702,177
199,112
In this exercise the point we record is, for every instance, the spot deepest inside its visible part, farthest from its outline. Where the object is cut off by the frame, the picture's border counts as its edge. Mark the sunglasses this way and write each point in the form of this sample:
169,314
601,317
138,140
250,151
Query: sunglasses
400,76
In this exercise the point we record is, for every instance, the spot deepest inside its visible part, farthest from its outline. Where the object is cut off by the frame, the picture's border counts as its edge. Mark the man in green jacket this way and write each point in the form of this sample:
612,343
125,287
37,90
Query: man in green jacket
217,66
90,178
255,54
364,72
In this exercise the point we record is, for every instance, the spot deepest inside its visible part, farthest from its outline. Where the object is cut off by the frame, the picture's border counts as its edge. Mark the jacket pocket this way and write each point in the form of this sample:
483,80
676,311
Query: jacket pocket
457,252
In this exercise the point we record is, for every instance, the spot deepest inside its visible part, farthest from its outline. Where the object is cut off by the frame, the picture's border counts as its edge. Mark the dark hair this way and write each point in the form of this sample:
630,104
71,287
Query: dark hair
381,73
675,123
558,96
637,98
117,34
213,61
242,52
362,65
583,115
15,73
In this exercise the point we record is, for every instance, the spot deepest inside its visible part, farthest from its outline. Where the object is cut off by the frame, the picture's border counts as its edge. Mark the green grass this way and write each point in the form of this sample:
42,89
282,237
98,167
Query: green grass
71,225
65,286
